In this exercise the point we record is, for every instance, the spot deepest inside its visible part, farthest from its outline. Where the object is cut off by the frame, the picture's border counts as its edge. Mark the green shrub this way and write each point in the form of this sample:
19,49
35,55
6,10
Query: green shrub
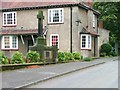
102,54
33,56
106,48
76,55
87,59
68,56
61,56
3,59
65,56
113,53
17,58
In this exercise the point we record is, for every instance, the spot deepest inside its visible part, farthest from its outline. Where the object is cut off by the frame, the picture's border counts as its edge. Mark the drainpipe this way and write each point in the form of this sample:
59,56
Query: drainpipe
96,39
97,25
94,46
71,29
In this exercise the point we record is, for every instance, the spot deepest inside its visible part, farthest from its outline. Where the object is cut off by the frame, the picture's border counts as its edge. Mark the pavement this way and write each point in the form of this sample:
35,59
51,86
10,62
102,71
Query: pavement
24,77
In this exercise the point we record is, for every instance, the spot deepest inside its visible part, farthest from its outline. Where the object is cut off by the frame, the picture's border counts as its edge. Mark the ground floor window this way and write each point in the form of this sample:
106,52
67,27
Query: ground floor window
54,40
9,42
85,41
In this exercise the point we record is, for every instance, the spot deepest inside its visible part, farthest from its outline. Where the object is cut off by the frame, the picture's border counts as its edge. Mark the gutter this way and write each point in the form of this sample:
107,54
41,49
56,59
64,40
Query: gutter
97,25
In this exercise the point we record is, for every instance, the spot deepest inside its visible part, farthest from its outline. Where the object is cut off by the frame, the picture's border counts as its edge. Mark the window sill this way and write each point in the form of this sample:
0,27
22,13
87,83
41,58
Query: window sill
9,25
86,49
54,23
9,49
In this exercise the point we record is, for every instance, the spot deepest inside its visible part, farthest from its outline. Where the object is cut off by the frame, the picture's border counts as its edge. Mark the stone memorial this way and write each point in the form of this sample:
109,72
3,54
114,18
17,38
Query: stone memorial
47,53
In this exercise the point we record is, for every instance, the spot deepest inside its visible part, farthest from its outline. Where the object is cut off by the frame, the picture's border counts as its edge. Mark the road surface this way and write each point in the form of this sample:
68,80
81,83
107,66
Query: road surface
101,76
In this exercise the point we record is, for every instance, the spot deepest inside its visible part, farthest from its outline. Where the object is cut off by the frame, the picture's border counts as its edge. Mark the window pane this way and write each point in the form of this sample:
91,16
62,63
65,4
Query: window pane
49,15
14,42
55,16
7,42
54,40
4,18
86,41
9,18
61,16
14,19
83,41
89,41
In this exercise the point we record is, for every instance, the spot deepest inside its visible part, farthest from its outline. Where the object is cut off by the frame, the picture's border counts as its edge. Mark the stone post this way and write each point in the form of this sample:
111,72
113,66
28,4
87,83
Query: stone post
40,23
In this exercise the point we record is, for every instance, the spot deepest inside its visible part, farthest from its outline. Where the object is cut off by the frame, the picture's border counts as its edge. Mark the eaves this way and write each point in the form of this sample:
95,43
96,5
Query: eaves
50,6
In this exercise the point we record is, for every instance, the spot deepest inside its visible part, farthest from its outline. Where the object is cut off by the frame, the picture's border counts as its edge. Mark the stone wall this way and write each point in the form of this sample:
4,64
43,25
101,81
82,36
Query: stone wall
104,36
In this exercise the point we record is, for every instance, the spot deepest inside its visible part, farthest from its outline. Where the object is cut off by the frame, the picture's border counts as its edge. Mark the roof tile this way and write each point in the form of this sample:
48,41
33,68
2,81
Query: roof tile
17,32
8,5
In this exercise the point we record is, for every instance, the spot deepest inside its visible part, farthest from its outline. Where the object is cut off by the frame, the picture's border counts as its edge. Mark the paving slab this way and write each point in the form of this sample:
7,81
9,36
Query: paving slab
24,77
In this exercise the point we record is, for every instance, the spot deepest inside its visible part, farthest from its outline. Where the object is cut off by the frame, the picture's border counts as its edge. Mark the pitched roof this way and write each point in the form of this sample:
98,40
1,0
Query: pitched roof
20,31
85,31
17,32
14,5
11,5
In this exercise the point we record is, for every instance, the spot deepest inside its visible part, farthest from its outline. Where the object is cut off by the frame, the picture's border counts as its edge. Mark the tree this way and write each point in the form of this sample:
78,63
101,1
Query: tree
110,15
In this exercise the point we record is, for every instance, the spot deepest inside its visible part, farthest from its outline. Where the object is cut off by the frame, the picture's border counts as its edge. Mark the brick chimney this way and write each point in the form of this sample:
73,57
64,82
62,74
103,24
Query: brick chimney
100,24
88,3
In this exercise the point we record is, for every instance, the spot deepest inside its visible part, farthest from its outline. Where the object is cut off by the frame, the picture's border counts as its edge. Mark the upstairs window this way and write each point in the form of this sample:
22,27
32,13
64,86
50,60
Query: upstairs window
55,15
93,20
54,40
10,42
85,41
9,18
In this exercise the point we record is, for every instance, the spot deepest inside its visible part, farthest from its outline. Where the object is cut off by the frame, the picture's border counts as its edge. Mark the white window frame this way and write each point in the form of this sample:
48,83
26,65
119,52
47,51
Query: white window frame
94,20
88,43
50,15
11,42
5,22
51,39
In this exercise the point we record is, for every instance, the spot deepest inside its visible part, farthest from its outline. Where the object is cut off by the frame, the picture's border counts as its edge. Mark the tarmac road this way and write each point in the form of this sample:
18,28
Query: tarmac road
26,77
101,76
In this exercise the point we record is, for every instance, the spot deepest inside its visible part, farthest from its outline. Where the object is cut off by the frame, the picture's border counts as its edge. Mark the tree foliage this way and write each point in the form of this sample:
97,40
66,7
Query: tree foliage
106,48
110,15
